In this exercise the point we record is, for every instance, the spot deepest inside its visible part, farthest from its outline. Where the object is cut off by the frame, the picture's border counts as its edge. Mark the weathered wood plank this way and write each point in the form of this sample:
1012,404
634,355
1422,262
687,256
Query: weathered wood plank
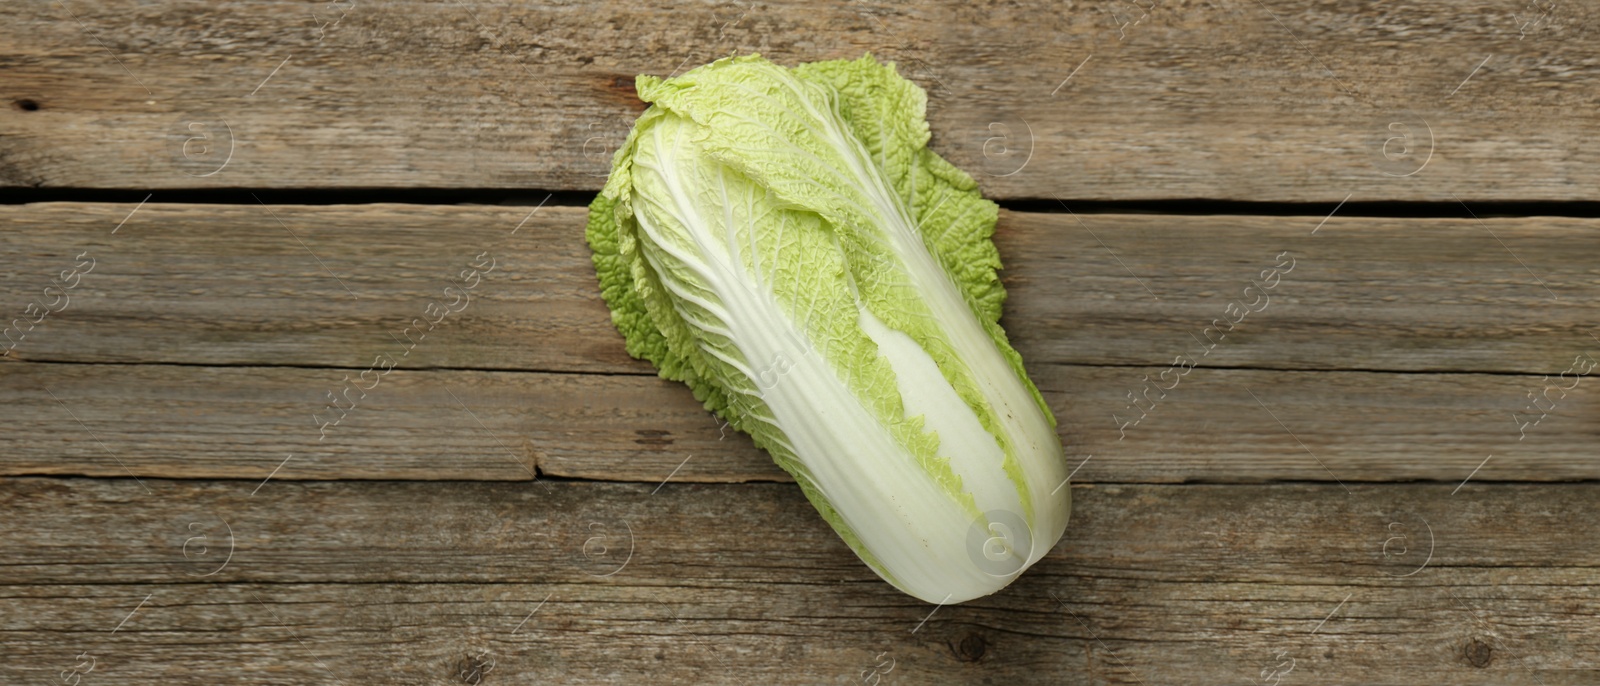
406,582
1252,101
243,284
1520,295
1223,425
338,286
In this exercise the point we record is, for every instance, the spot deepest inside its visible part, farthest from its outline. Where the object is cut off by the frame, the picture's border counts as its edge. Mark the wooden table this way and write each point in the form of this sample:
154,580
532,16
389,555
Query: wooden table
223,216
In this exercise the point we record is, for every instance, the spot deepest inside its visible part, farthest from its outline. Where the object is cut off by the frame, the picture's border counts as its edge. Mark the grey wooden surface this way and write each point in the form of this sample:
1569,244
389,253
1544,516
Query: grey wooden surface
410,582
1381,476
1129,100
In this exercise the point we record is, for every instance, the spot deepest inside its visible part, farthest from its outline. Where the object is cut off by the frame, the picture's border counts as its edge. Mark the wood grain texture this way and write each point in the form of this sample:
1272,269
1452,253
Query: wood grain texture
1284,101
411,583
1215,425
338,285
1358,484
306,285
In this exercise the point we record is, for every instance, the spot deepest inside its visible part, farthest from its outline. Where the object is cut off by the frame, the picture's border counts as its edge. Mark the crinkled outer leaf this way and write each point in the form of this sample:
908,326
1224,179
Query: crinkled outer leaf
784,243
788,133
624,281
887,113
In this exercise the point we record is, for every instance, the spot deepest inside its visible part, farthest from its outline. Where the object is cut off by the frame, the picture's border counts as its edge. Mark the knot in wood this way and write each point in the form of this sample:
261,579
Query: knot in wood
472,668
1478,652
972,647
